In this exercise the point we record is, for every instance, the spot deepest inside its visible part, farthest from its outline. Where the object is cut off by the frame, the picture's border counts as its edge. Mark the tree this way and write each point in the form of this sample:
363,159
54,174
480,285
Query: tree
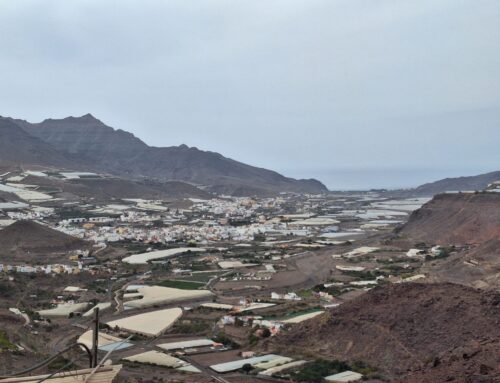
247,367
266,333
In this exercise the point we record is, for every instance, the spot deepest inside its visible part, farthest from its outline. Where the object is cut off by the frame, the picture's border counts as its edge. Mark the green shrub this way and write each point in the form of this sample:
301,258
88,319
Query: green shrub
5,343
314,372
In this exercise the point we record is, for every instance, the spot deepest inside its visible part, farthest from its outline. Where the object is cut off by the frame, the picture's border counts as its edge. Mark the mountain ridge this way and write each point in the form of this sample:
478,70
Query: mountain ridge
18,147
454,219
103,148
465,183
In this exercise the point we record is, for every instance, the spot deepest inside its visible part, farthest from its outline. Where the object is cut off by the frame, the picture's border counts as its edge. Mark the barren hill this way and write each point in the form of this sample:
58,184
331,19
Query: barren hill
18,147
424,330
28,241
456,219
479,182
100,147
109,188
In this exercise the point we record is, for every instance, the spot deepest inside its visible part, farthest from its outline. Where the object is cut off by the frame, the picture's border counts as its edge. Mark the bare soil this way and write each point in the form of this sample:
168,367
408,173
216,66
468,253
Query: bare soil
407,329
28,241
456,219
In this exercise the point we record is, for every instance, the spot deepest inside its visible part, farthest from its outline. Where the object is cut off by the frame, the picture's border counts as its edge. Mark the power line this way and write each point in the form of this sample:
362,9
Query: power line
50,359
70,363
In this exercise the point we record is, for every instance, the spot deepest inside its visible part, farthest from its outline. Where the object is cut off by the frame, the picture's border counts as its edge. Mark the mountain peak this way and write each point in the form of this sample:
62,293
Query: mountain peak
87,119
89,116
103,148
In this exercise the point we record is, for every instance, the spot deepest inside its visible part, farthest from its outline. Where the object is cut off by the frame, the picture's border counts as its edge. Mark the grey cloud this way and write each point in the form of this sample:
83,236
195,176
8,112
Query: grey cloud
289,85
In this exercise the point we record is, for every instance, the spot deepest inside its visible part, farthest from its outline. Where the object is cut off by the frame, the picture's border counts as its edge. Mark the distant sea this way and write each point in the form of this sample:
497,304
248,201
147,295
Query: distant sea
366,179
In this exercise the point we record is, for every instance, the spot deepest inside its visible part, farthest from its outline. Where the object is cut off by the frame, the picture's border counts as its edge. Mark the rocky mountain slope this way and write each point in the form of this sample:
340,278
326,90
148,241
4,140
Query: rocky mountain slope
100,147
479,182
106,189
17,147
478,266
470,221
457,219
409,332
33,243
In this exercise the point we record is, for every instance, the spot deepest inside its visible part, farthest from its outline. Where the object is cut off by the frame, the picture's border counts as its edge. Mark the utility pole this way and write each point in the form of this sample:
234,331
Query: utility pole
95,337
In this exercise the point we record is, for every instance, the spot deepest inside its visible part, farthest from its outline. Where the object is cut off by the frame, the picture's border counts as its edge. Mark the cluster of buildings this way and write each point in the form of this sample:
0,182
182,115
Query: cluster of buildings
236,219
45,269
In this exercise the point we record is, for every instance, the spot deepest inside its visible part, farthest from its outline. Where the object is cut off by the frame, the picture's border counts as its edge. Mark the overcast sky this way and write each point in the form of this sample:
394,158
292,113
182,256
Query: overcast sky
301,87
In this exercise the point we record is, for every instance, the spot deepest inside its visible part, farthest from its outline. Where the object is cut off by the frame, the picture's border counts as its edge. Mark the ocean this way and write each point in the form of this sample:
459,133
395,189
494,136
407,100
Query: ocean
377,178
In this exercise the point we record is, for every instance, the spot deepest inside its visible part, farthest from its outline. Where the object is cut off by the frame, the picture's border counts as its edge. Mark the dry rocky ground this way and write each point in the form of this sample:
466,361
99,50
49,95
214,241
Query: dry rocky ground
31,242
454,219
408,331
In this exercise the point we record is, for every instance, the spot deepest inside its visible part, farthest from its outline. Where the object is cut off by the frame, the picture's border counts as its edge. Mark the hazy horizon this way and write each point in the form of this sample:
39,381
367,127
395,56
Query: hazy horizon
362,179
285,85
